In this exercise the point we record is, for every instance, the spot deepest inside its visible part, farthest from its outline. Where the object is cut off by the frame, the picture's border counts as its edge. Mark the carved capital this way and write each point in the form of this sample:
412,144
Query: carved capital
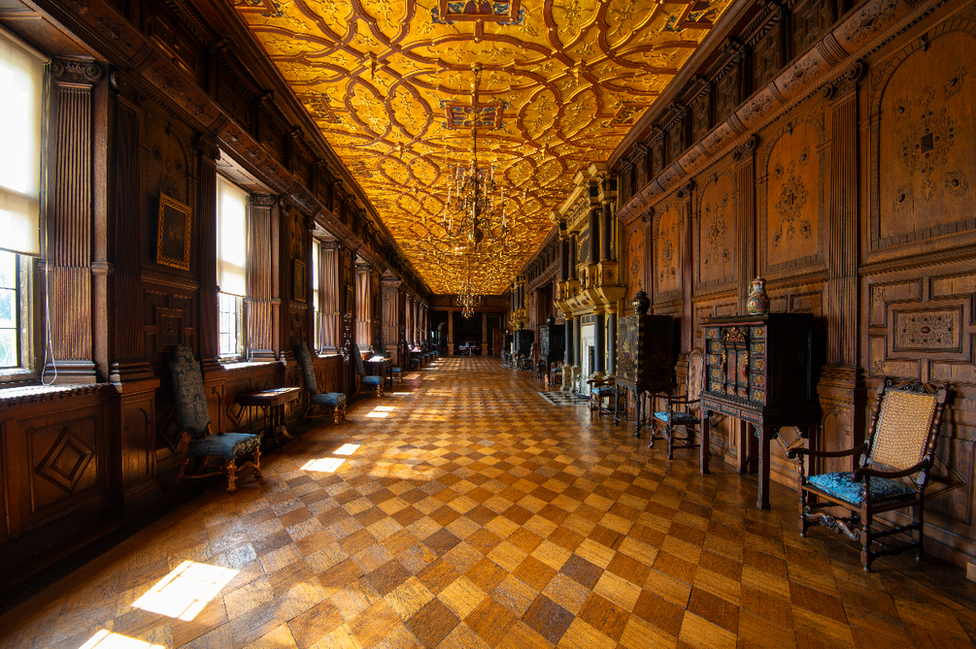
685,191
125,88
846,82
330,245
263,200
65,70
648,216
746,149
208,148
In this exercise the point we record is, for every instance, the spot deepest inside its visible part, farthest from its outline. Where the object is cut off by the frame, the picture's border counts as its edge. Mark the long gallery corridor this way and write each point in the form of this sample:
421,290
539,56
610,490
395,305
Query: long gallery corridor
463,511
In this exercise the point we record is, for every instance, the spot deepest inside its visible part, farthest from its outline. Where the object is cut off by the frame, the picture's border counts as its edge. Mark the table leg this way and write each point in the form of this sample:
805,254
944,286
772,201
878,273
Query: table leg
639,414
706,433
765,434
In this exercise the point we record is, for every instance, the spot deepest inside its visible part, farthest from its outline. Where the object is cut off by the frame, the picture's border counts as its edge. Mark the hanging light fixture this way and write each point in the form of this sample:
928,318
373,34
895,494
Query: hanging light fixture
467,297
472,214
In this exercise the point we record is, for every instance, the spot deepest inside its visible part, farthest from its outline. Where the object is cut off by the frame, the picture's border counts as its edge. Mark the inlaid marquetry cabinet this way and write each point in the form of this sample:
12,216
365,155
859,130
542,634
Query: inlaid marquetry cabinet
552,343
761,369
645,357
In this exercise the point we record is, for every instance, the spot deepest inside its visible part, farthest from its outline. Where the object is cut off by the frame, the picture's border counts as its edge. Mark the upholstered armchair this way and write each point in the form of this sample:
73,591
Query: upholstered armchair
335,401
199,441
892,471
682,411
605,388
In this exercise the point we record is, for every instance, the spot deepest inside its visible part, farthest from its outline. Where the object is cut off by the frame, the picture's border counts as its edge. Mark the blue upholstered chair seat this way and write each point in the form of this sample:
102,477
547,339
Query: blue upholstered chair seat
372,380
333,399
223,445
606,390
842,485
396,370
676,418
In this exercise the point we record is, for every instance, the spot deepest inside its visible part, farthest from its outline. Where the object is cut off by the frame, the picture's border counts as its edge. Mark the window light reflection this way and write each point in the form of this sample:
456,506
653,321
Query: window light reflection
381,412
347,449
185,591
324,465
105,639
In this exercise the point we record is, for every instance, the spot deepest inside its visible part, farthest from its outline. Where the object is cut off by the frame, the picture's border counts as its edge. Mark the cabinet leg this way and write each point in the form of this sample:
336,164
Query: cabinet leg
765,433
706,451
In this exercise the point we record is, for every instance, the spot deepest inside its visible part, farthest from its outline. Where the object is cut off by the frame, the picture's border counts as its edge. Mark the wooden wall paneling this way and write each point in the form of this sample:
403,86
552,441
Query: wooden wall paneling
70,222
633,257
667,251
728,78
791,205
180,46
206,224
745,206
809,21
687,197
923,182
260,291
714,233
767,44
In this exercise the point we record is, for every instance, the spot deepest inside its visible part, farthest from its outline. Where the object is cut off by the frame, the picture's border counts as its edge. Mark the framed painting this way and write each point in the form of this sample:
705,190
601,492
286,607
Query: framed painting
173,238
298,281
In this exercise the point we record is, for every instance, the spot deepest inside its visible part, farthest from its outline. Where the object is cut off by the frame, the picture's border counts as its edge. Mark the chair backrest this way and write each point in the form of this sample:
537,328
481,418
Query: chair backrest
358,359
191,400
904,425
695,380
308,368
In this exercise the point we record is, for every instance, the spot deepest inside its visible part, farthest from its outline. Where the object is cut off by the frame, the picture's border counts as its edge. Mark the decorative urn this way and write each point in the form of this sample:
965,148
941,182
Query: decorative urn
758,302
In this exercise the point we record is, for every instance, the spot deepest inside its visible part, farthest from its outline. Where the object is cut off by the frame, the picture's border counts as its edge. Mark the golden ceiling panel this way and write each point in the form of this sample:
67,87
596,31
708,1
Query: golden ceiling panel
389,82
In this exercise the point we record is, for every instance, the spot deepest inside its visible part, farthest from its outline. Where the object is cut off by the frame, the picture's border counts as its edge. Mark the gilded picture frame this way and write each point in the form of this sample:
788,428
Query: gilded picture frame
298,281
173,237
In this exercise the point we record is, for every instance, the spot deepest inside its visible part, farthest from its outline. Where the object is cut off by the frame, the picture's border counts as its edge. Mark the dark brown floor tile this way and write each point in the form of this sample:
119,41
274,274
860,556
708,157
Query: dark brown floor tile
524,540
438,576
370,516
714,609
332,516
581,571
566,538
486,574
432,623
534,573
294,517
481,514
491,621
374,624
818,602
407,516
388,576
271,542
629,568
675,566
483,541
400,542
722,565
445,515
441,541
605,616
659,612
518,515
605,536
548,619
769,606
295,572
340,574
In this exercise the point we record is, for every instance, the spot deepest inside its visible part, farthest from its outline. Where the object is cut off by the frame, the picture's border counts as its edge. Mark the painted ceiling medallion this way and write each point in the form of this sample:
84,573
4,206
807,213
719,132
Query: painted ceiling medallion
389,84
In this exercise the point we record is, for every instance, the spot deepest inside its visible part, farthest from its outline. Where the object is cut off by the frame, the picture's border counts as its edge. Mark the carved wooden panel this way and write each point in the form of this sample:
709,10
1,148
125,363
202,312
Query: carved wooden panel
667,252
727,92
809,20
767,55
633,260
64,458
235,99
138,440
168,321
791,200
715,235
924,173
701,115
179,46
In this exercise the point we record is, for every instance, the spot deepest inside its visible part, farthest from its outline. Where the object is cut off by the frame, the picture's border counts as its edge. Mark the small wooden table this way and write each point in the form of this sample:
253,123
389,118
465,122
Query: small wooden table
272,402
380,367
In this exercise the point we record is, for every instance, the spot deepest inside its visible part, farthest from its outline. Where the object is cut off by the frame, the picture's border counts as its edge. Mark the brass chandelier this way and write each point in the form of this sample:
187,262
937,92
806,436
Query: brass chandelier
472,214
467,298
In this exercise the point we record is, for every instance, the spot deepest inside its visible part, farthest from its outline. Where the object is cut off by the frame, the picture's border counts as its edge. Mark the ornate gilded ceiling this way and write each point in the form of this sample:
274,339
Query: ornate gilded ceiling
389,82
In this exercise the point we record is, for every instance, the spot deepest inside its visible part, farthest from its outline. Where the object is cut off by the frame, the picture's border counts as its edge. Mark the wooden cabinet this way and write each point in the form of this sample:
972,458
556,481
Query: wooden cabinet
645,357
523,342
552,343
760,369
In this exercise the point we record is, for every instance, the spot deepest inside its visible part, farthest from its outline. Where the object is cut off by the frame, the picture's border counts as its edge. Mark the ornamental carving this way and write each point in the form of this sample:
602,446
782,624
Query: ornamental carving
792,200
927,330
75,71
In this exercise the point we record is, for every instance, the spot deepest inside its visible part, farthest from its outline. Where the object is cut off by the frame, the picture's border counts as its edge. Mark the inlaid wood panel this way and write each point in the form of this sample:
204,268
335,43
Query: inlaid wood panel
65,458
667,251
714,247
633,259
791,200
924,173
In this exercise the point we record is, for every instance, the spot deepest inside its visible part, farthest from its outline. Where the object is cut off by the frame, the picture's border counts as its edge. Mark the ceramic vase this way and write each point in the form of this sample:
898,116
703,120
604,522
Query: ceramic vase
758,302
641,303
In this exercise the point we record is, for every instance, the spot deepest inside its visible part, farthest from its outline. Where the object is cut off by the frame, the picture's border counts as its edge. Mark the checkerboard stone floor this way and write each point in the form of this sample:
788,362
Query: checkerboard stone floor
472,515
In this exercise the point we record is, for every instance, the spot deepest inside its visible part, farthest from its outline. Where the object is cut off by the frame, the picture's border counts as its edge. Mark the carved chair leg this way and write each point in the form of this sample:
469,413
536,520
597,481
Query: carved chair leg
918,534
257,461
179,475
669,435
866,540
231,476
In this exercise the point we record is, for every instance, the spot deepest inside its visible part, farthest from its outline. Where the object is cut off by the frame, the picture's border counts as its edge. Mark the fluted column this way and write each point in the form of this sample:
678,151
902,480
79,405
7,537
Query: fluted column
363,303
70,222
260,295
128,339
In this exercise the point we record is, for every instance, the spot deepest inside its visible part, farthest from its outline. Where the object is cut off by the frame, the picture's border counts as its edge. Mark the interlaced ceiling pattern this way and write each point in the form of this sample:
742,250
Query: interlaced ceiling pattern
389,82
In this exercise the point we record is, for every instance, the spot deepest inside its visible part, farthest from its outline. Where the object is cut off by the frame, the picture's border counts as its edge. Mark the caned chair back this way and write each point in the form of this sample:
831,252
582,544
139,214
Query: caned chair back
905,424
308,368
696,374
192,411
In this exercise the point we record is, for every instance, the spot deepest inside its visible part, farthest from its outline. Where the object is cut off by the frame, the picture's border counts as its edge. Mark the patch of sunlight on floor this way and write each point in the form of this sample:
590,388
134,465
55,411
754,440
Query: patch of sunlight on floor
107,640
381,412
324,465
186,590
400,394
346,449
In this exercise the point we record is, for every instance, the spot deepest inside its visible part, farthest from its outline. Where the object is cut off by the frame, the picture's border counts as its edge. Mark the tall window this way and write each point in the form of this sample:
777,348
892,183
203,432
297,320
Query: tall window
231,266
21,77
316,314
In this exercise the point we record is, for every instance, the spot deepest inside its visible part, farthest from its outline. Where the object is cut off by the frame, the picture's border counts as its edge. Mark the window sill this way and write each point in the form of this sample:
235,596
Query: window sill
241,366
20,394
